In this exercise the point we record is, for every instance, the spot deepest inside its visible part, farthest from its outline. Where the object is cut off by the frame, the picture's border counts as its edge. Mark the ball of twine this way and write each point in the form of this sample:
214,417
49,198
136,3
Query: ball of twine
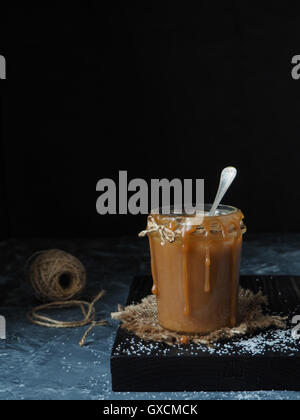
56,275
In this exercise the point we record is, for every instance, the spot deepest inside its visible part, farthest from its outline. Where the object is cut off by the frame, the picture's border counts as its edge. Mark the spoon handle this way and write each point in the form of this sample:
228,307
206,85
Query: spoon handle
227,176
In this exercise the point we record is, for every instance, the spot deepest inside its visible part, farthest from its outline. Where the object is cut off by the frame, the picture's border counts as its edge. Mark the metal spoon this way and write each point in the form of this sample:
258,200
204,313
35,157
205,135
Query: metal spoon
227,176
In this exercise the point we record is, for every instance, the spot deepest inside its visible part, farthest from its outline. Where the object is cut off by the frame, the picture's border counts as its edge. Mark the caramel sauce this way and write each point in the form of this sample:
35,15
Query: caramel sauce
184,340
186,273
197,273
207,270
173,225
234,275
153,270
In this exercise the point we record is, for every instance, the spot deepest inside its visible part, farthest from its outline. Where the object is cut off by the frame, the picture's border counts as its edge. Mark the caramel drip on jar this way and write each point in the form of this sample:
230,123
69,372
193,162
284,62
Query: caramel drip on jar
226,234
207,261
234,275
184,340
225,231
207,270
186,271
173,225
153,269
234,294
155,291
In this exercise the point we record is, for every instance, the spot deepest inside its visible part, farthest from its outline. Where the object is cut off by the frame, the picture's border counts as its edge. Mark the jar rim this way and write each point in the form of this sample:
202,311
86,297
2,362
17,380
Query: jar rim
222,210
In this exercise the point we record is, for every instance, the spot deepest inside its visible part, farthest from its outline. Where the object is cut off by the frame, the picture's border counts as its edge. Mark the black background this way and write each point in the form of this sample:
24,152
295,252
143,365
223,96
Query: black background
160,89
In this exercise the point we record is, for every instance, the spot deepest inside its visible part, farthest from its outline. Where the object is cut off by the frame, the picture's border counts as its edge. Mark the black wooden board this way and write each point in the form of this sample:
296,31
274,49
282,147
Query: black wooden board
268,361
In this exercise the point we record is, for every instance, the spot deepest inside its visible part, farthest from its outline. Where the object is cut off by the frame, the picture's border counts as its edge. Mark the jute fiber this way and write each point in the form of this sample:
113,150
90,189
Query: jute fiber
58,277
141,319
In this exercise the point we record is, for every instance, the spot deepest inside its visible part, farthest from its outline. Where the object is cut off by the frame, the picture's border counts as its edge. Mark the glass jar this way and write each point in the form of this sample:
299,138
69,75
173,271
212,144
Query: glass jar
195,263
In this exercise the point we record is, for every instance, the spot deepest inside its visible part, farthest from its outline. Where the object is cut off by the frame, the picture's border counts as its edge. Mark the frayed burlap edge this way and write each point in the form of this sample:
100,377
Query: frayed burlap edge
141,319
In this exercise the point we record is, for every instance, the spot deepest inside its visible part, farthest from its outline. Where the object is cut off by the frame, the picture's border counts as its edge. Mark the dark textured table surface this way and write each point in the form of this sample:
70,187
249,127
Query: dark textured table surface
43,363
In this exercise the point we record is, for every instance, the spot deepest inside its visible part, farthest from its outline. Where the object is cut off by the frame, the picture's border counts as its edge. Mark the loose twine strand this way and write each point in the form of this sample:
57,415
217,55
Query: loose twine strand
166,234
88,311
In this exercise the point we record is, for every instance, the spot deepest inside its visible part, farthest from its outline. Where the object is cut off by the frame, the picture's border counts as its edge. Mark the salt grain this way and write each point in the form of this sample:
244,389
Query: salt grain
275,341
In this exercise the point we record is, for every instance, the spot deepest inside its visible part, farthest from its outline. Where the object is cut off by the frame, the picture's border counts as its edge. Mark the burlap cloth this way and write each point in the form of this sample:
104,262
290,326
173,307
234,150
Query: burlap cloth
141,319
